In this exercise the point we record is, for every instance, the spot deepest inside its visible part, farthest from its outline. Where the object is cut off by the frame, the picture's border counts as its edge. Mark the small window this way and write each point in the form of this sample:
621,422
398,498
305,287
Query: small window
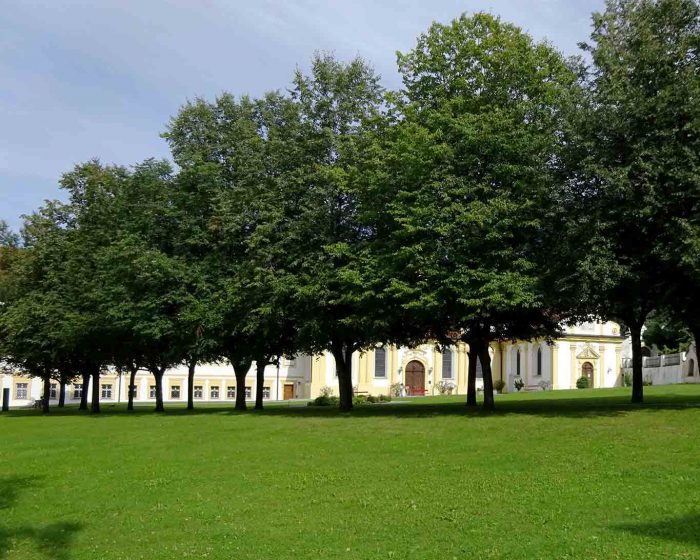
214,392
134,391
152,392
447,364
691,368
380,362
266,392
78,391
517,363
231,392
21,391
175,392
53,391
198,392
107,391
539,361
248,393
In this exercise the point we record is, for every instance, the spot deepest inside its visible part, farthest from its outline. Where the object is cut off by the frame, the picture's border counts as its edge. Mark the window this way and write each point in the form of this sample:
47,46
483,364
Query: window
198,392
175,392
152,392
134,391
691,368
517,363
21,390
230,392
380,362
53,391
266,392
78,391
214,392
447,364
107,391
479,370
248,393
539,361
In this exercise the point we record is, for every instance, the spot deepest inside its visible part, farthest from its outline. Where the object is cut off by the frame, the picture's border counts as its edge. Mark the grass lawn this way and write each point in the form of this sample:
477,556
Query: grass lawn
567,474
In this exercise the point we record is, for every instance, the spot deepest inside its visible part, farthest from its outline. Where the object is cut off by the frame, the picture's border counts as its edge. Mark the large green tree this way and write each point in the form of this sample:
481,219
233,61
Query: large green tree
636,187
471,161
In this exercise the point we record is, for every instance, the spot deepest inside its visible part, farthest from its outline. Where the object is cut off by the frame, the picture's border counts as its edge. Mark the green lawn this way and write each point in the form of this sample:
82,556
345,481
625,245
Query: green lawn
569,474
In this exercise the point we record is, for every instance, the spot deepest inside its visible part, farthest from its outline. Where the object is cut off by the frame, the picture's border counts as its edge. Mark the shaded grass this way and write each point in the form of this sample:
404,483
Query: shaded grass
568,474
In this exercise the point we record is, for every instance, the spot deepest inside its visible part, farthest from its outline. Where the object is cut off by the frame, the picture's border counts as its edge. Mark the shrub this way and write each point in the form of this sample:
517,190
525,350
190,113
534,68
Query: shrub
499,385
445,387
326,391
384,398
518,383
627,379
395,389
359,400
372,399
647,381
582,382
324,400
544,385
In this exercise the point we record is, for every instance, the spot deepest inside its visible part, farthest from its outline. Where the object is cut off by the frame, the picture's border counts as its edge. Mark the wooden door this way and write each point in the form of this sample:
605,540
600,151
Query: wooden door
288,391
587,371
415,378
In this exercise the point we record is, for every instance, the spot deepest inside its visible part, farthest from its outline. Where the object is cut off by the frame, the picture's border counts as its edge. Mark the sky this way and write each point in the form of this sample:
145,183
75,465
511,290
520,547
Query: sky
83,79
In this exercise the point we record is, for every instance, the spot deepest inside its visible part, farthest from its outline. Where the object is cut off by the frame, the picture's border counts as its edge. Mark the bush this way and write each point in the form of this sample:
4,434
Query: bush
384,398
582,382
359,400
372,399
647,381
445,387
627,379
518,383
324,400
499,385
544,385
395,389
326,391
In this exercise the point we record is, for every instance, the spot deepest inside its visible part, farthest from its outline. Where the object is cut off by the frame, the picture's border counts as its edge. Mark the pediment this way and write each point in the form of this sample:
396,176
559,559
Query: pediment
587,353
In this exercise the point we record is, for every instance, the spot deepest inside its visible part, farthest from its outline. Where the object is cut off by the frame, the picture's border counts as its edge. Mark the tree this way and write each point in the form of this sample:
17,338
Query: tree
666,332
637,182
8,238
471,162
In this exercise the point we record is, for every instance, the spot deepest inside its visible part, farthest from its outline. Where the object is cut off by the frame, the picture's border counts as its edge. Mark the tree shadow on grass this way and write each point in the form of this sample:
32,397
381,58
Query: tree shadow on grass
53,541
588,404
684,530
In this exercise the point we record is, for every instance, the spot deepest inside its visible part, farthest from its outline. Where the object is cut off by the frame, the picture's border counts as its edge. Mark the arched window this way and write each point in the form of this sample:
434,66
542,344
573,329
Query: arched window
447,364
517,363
539,361
379,362
691,368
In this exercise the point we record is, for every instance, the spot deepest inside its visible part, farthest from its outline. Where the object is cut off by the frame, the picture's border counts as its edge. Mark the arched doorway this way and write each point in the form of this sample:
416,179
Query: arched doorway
415,378
587,371
691,368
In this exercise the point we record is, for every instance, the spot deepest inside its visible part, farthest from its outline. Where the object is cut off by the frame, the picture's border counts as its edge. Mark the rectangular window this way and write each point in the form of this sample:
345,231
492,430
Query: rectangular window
447,364
152,392
107,391
134,391
198,392
248,393
380,362
266,392
230,392
21,391
175,392
78,391
53,391
214,392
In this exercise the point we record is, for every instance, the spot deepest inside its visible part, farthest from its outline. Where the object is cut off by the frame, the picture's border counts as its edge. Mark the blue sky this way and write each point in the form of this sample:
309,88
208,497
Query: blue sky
101,78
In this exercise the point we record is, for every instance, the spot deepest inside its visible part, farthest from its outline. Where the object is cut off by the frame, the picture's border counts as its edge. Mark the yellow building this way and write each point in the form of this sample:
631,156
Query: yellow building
591,350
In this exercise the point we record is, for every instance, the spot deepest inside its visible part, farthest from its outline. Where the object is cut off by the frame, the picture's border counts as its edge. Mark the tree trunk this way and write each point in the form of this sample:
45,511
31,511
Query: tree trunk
343,367
485,358
260,365
158,376
62,393
47,392
86,387
191,366
95,390
473,354
241,370
133,369
637,379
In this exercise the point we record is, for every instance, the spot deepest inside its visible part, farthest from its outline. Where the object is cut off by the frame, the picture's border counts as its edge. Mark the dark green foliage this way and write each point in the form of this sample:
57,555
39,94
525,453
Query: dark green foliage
582,383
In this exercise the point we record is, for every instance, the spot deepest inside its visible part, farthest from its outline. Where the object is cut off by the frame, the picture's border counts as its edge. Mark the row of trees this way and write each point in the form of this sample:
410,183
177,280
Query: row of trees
502,192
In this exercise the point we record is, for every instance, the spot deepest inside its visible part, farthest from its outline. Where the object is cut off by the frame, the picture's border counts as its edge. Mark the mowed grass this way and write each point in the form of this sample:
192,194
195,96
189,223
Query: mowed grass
569,474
